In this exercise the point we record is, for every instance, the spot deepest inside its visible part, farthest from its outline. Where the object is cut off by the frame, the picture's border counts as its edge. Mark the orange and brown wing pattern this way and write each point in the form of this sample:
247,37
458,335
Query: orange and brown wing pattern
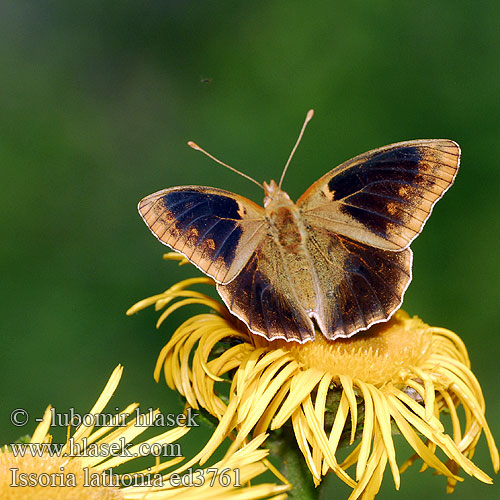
358,285
384,197
216,230
263,296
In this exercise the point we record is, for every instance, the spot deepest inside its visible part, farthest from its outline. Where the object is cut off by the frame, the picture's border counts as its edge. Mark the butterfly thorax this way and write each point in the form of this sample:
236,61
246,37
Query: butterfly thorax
284,217
281,211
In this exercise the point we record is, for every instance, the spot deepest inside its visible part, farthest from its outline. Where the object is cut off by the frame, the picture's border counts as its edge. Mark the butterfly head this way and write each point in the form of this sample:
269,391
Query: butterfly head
274,194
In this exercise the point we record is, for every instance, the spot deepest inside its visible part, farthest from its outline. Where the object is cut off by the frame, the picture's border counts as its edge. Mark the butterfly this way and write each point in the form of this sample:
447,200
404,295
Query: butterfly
338,260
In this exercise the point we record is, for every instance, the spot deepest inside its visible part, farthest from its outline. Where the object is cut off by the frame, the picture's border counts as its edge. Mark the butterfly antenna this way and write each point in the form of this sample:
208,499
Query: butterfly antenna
193,145
309,116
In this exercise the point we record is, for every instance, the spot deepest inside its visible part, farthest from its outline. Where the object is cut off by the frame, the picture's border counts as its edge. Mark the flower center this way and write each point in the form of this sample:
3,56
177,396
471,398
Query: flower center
376,356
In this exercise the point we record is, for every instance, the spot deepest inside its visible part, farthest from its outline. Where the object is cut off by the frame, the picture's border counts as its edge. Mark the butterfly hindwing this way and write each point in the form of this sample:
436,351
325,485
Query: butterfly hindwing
216,230
383,198
265,298
358,285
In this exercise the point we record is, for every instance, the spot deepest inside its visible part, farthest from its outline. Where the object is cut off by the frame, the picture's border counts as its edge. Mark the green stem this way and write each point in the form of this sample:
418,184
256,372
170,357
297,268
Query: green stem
294,467
282,443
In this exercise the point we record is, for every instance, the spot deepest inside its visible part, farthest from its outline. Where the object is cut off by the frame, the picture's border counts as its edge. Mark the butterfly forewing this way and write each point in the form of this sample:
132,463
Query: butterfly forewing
216,230
383,198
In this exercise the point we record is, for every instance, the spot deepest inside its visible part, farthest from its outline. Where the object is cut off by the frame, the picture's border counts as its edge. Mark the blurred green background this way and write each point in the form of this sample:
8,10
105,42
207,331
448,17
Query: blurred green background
97,101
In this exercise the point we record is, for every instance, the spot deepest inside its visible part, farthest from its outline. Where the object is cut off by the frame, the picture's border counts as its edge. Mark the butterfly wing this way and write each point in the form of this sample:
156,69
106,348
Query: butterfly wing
265,299
361,218
384,197
216,230
228,238
357,285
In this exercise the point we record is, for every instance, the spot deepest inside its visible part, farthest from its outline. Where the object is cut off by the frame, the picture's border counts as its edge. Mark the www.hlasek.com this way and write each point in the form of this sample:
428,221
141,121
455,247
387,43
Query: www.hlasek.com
82,448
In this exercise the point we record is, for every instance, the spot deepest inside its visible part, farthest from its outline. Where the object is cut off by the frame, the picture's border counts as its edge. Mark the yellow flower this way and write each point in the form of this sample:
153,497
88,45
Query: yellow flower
81,474
400,376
